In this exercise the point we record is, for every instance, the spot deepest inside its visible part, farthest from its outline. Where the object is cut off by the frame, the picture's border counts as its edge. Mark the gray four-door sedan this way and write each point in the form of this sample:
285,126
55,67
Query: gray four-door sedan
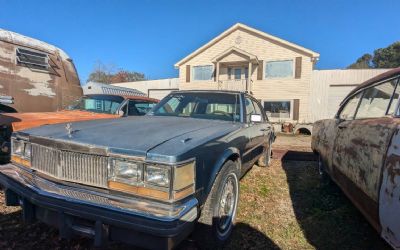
143,180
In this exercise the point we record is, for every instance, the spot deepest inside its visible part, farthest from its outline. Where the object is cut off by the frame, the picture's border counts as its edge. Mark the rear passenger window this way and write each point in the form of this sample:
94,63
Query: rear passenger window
375,101
350,107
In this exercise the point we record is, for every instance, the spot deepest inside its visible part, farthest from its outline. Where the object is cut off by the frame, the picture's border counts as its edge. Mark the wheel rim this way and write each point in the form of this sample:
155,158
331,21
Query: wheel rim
227,205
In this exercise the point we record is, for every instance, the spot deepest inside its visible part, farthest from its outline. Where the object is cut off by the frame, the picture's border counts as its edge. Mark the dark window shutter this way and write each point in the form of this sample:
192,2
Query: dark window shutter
296,106
260,70
297,72
187,73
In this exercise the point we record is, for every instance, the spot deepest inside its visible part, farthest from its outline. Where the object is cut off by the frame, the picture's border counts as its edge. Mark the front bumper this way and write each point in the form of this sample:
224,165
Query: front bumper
97,214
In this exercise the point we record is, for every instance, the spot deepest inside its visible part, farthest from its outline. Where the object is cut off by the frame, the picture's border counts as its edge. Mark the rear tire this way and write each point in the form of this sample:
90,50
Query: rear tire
218,215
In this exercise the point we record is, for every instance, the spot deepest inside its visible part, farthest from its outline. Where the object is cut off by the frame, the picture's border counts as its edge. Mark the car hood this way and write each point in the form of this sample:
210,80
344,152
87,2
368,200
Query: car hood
20,121
131,135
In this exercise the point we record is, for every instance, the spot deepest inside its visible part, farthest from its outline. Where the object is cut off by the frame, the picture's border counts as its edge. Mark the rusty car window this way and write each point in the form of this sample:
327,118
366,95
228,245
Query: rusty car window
375,100
350,107
98,104
393,103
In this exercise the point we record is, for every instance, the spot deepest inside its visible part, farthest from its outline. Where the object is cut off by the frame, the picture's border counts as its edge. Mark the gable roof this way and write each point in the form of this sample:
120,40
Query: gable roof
237,50
251,30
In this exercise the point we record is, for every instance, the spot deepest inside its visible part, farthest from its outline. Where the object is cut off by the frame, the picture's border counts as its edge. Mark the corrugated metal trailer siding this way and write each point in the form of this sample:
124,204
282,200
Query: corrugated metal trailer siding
330,87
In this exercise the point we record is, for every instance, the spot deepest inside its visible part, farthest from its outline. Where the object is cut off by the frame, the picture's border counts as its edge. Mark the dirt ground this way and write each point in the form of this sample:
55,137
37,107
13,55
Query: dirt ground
284,206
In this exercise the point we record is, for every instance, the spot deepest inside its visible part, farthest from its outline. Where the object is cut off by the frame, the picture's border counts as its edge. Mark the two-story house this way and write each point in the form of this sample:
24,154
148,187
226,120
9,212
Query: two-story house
275,71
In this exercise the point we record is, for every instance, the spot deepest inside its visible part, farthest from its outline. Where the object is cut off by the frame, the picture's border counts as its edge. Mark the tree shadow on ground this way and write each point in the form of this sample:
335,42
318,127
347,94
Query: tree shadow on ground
327,218
15,234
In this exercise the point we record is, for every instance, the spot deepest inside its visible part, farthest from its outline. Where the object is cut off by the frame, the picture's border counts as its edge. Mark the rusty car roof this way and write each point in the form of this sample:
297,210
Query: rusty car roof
387,75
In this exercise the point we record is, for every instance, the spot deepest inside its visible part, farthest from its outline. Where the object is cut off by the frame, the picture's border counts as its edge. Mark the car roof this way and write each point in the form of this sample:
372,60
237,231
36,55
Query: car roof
130,97
381,77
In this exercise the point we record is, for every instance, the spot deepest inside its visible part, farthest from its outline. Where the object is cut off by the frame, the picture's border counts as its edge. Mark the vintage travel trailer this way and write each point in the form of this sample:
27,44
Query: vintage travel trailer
35,76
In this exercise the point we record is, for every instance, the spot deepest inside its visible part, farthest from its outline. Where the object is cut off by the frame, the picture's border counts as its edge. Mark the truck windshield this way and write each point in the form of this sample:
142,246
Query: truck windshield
213,106
98,104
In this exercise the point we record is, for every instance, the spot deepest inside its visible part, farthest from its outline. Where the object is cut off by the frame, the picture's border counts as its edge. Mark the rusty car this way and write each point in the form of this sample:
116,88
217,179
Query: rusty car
360,150
147,180
88,107
36,76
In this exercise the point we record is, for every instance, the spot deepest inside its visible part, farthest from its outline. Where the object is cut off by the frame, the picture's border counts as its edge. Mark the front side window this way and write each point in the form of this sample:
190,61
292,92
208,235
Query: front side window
202,73
350,107
279,69
98,104
200,105
250,110
375,100
33,59
277,109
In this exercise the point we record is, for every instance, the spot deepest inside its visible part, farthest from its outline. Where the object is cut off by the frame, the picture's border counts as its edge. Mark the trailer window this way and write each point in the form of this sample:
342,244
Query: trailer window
32,59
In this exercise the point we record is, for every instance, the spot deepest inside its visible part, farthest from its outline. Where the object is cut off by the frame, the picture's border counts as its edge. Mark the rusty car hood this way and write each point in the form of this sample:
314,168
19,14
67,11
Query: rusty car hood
20,121
136,135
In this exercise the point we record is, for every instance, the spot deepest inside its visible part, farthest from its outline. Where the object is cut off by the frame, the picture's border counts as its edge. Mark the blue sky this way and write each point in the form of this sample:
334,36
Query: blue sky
150,36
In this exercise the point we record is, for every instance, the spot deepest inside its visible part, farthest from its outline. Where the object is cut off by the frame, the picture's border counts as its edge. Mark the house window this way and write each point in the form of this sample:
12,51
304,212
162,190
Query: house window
202,73
32,59
279,69
277,109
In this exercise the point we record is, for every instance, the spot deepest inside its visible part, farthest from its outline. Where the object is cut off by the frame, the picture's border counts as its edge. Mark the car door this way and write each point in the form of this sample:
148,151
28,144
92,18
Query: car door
255,132
389,195
360,147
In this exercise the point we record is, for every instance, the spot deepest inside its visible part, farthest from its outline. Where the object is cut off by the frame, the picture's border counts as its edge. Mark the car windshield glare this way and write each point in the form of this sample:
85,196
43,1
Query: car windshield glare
217,106
98,104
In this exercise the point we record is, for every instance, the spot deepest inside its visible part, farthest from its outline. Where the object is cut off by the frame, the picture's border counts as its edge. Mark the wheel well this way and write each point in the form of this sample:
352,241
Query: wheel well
233,157
303,131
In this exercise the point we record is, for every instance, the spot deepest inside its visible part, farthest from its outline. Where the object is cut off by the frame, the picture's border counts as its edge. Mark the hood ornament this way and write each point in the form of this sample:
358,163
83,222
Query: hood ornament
68,127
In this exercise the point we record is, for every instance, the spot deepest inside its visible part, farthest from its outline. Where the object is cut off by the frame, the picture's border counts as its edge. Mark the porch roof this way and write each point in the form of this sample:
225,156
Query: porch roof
246,55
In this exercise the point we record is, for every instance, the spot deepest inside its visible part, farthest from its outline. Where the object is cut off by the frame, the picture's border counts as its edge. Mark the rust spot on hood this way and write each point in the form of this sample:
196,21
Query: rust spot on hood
20,121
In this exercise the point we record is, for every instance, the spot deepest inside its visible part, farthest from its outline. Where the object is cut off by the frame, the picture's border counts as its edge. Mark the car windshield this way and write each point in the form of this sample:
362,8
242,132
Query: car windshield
213,106
98,104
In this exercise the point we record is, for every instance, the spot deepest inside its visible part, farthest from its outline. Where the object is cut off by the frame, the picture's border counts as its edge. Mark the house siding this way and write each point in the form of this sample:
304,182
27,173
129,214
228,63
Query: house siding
265,50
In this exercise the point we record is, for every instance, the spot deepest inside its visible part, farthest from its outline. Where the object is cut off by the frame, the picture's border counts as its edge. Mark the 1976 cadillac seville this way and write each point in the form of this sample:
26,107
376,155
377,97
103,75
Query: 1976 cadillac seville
145,180
360,150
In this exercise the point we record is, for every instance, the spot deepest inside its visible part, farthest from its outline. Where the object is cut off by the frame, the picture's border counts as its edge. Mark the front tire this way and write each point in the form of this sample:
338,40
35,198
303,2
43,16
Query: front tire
219,212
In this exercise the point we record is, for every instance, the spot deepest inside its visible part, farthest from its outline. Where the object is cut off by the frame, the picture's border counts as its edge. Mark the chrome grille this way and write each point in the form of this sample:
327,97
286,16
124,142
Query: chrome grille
70,166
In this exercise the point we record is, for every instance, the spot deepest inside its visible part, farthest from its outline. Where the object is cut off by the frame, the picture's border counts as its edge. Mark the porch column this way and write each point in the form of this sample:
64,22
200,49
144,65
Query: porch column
217,75
248,82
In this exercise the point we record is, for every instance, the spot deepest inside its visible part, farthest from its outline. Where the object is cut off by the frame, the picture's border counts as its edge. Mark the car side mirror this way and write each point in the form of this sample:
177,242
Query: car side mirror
255,118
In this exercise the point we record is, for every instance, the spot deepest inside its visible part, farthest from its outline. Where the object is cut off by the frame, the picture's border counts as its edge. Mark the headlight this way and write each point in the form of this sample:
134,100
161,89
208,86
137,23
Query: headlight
159,181
126,171
157,175
17,147
21,152
27,151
